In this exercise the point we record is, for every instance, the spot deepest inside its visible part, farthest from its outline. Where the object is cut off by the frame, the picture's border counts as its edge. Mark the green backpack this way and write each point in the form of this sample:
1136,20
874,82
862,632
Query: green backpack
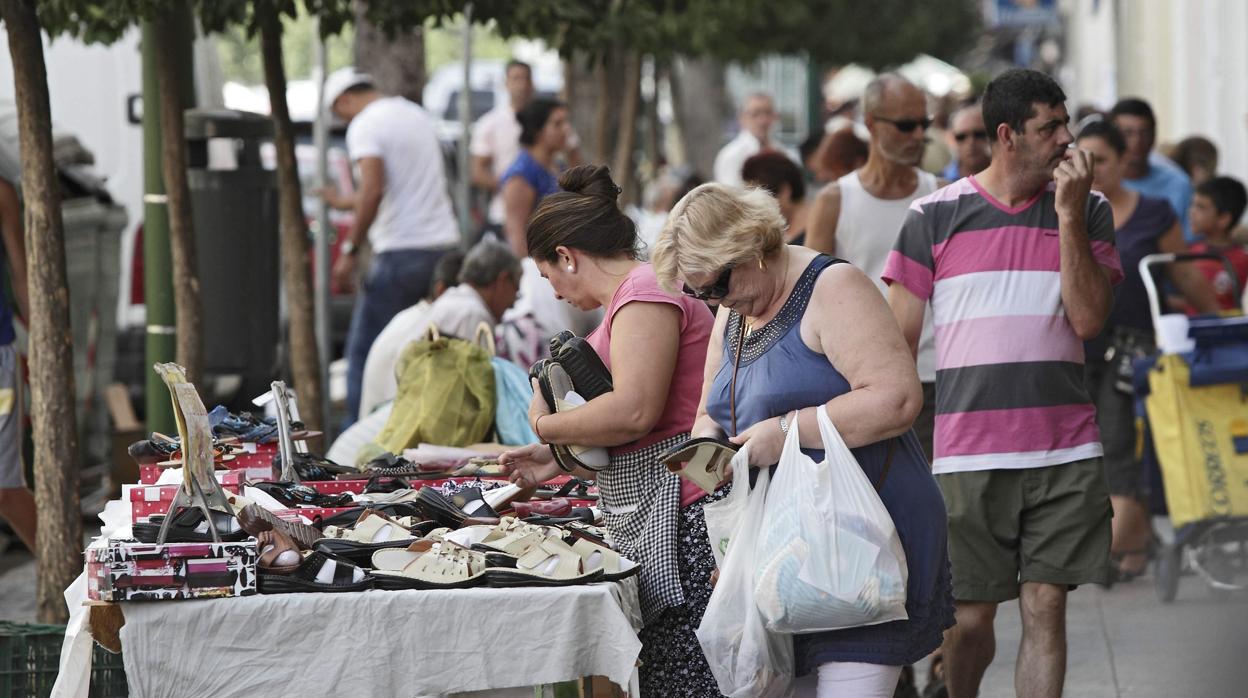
446,393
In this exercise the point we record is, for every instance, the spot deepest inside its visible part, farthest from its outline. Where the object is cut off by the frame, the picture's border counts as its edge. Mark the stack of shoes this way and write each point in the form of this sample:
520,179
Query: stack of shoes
189,526
510,553
243,426
373,531
298,495
310,466
561,396
158,448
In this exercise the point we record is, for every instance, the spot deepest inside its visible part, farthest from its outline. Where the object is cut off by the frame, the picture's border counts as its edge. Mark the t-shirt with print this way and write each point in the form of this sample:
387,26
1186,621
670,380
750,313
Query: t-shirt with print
1009,381
415,210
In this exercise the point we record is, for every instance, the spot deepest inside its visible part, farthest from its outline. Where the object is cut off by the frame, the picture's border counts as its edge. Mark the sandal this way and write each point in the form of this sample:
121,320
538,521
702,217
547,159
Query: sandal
599,557
561,396
551,563
373,531
432,565
582,363
702,461
313,571
255,519
293,495
350,516
379,484
188,526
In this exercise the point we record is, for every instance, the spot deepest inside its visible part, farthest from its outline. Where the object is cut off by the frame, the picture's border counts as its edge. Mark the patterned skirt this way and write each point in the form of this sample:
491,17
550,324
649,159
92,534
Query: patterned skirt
672,663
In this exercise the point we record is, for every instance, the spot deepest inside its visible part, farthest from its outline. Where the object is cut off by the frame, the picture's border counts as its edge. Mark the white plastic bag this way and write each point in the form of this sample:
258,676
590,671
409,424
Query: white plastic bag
828,556
722,516
746,659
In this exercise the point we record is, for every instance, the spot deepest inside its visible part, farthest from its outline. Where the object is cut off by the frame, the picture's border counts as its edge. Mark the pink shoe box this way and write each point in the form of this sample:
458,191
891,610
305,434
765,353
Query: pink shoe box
235,478
154,500
126,570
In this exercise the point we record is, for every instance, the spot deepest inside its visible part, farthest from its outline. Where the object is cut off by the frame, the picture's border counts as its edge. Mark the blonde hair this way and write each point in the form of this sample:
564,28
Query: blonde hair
715,226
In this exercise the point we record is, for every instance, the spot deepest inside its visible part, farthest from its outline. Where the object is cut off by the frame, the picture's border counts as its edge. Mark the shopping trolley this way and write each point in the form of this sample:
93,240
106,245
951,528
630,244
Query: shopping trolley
1193,396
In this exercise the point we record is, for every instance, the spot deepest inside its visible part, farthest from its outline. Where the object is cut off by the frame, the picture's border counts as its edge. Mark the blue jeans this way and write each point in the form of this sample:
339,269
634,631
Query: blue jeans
396,281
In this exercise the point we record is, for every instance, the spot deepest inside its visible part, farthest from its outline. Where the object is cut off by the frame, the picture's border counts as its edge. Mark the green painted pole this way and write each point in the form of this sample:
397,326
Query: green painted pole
161,344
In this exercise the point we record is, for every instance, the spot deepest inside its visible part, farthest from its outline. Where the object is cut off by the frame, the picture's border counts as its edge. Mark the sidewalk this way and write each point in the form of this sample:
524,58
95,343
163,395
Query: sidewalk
1123,642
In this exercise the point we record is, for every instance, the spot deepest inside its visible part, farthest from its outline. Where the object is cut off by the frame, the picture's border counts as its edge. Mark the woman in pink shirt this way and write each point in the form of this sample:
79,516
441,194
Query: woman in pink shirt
654,344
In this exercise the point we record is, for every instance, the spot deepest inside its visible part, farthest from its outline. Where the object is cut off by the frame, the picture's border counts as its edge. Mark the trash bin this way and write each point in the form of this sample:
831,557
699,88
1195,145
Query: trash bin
234,208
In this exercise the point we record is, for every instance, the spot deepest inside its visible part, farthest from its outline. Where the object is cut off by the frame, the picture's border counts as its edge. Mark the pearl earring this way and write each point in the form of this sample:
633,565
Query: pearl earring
570,269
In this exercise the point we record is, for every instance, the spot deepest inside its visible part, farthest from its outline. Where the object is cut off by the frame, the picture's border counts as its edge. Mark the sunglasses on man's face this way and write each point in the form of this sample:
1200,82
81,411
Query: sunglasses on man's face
977,135
907,125
715,291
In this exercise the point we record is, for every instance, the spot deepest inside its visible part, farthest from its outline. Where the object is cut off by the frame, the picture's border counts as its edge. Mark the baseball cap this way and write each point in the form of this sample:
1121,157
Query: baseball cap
342,80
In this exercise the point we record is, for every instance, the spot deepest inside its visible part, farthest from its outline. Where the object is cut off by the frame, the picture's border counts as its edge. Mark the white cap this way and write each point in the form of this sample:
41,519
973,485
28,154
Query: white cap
342,80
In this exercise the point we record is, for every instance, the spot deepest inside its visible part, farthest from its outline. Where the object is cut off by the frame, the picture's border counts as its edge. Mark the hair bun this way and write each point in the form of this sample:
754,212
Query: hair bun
590,180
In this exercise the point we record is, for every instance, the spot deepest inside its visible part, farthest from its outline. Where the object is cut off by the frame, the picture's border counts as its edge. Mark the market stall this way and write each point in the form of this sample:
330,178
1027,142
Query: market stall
463,584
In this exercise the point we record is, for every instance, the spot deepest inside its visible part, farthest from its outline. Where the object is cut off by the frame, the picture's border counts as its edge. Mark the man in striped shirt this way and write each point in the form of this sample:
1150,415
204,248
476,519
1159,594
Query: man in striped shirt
1017,263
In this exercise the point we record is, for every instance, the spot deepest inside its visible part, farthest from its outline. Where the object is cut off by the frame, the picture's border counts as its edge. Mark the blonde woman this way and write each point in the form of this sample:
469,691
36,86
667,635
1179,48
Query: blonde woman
797,330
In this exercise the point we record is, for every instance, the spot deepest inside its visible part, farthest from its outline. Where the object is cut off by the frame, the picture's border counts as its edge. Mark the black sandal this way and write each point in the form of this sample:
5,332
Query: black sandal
185,525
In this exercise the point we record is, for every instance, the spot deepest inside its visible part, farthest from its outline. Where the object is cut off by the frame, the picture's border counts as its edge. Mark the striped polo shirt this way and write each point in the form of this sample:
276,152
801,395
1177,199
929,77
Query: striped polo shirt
1009,367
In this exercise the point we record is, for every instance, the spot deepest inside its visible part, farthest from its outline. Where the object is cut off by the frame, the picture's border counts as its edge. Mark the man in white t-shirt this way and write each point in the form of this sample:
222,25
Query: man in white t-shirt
757,118
496,138
401,210
859,216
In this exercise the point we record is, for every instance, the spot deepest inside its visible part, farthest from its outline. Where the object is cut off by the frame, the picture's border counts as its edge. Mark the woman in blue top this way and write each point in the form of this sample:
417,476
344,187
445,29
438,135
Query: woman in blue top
544,129
796,330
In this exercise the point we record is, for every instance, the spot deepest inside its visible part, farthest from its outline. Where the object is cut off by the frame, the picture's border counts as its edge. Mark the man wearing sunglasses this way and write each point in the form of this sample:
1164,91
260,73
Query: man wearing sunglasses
968,139
859,216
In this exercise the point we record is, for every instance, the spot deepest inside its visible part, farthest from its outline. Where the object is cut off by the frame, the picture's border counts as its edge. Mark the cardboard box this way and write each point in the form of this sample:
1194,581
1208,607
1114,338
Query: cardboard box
127,570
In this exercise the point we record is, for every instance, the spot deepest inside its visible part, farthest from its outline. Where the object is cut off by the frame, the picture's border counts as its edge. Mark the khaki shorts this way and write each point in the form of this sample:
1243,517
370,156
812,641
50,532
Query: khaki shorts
1049,524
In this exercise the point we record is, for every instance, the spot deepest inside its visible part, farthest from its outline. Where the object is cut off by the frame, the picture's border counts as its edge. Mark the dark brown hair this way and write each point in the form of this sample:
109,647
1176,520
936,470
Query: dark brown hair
583,216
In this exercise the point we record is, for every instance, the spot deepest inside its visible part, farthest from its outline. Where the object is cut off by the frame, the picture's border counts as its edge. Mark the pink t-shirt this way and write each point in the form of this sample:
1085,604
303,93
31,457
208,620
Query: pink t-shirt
696,321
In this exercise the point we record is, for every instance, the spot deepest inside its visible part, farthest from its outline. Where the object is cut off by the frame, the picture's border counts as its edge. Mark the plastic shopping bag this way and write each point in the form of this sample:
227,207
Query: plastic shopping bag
746,659
829,556
722,516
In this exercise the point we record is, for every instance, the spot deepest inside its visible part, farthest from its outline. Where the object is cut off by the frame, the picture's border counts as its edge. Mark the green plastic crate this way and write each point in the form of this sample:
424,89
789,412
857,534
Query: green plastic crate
30,657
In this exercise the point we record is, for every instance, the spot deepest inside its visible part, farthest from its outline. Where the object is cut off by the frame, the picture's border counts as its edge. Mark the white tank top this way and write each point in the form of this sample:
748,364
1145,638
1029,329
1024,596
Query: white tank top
866,231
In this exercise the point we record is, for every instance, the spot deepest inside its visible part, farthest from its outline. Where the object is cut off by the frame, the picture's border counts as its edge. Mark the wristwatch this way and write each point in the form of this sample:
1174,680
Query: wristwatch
348,248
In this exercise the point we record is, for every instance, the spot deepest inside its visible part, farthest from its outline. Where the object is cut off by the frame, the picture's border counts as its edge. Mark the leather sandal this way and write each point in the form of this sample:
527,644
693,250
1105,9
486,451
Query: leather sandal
703,461
188,526
556,386
255,519
581,361
433,565
599,557
315,571
374,531
551,563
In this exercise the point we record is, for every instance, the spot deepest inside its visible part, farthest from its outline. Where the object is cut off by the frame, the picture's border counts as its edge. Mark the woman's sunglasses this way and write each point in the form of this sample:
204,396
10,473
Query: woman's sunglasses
715,291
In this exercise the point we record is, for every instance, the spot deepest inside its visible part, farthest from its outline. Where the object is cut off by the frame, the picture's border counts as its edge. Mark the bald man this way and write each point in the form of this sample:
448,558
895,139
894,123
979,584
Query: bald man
859,216
757,119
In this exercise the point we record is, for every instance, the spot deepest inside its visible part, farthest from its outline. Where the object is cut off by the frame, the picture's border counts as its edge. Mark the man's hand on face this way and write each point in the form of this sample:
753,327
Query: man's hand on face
1074,184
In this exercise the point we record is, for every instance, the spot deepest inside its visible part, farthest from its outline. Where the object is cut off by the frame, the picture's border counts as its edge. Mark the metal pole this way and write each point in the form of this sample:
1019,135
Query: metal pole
320,135
464,185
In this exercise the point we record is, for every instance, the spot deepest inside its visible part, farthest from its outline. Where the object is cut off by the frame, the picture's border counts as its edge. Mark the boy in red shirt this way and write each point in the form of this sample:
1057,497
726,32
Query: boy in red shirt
1217,206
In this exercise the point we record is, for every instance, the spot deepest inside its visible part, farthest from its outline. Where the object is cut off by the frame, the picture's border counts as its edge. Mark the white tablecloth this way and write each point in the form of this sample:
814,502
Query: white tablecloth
380,643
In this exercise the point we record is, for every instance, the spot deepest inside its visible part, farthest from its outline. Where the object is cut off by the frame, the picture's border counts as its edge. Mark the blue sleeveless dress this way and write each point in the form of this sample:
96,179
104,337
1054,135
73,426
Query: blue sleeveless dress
778,373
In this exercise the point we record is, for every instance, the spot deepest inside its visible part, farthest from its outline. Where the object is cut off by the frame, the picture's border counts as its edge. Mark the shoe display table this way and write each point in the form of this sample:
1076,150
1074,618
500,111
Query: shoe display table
381,643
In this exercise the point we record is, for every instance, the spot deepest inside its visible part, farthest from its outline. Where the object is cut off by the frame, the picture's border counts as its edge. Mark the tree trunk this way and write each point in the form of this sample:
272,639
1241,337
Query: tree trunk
397,63
304,361
59,537
626,145
189,322
700,100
